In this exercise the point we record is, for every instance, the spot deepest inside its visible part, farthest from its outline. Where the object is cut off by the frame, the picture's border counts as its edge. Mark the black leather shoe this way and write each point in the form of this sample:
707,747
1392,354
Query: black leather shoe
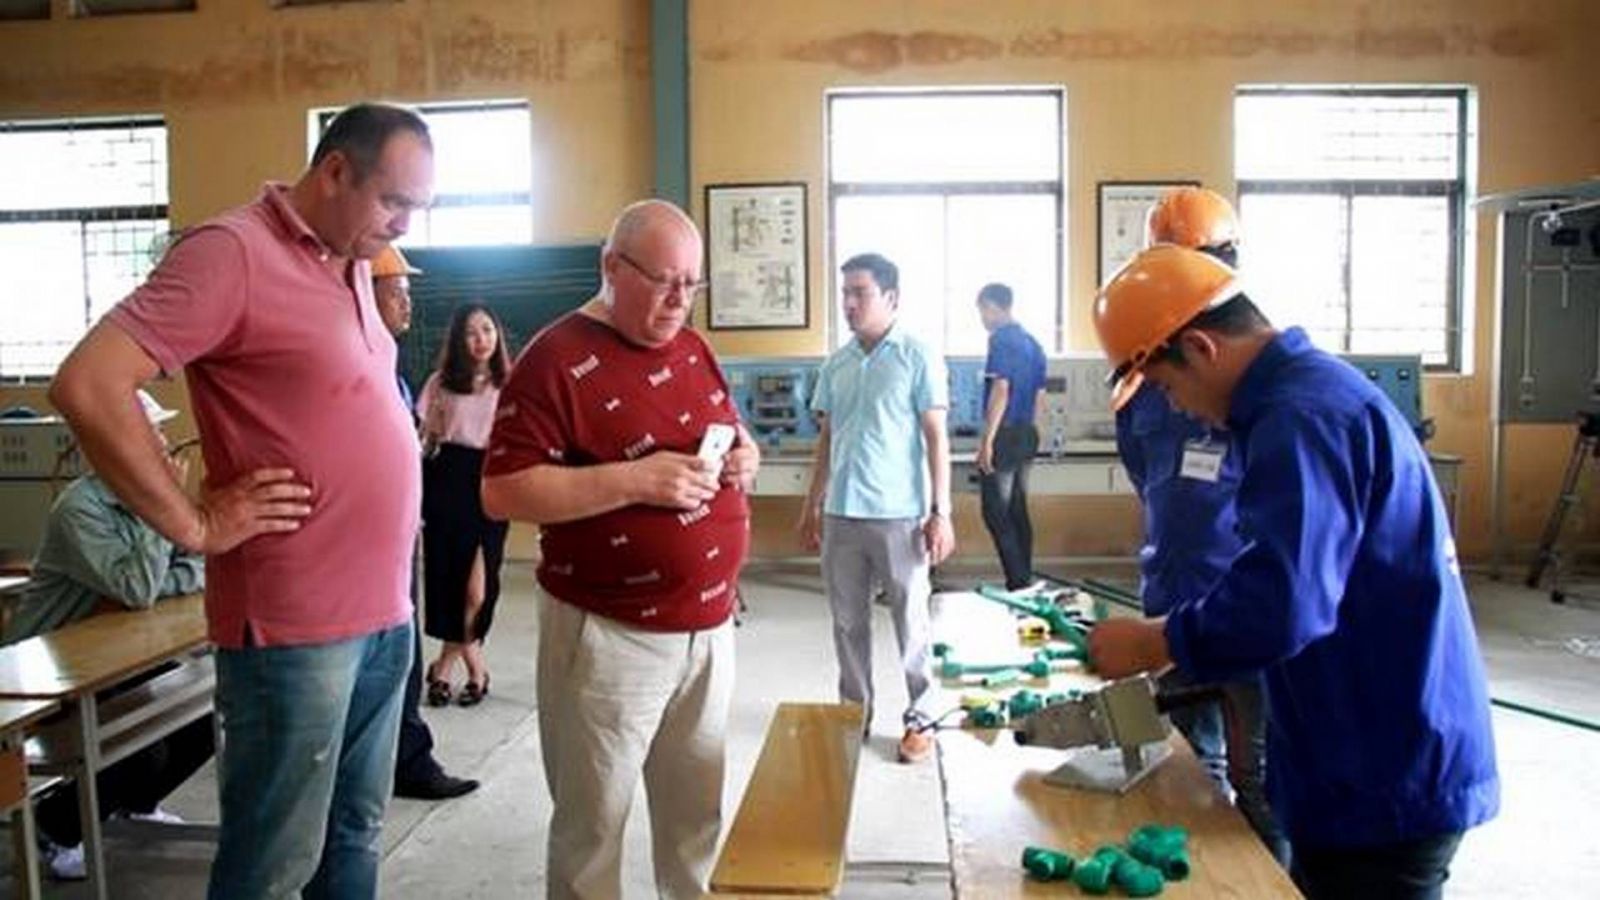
438,787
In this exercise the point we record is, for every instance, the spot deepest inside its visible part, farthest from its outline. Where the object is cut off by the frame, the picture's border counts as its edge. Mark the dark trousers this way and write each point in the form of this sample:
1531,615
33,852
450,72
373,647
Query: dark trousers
414,761
1004,494
133,785
1411,870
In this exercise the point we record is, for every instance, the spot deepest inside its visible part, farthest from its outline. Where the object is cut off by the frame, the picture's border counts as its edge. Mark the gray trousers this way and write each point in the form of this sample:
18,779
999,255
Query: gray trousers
858,556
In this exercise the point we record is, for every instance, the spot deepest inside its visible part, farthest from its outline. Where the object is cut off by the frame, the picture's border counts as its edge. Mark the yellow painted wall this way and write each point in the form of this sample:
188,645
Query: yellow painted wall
1149,87
236,78
1149,96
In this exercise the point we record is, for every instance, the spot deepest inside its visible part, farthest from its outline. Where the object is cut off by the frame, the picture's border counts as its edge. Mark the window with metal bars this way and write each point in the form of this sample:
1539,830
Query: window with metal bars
958,188
1352,203
83,219
483,174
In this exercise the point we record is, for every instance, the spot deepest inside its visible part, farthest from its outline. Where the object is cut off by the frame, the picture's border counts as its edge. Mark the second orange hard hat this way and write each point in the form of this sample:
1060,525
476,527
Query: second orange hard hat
390,262
1192,217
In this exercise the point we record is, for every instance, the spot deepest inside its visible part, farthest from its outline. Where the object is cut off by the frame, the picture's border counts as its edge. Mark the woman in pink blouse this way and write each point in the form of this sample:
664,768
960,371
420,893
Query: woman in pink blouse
461,547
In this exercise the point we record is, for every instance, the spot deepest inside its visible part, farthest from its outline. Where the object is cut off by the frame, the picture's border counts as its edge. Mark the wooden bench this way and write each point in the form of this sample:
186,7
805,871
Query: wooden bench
16,716
72,664
789,834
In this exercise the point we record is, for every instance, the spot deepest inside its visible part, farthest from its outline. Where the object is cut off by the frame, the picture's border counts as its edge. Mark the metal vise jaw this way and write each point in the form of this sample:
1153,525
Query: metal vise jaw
1117,733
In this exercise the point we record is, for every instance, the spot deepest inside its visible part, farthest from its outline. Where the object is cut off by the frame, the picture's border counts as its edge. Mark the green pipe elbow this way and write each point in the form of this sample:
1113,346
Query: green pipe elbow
1045,864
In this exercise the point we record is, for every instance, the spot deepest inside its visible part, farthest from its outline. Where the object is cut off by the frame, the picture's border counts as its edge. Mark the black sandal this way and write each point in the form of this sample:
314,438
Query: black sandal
438,690
472,693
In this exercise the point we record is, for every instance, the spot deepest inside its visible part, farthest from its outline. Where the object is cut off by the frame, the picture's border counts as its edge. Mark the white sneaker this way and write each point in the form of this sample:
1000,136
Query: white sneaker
66,863
157,815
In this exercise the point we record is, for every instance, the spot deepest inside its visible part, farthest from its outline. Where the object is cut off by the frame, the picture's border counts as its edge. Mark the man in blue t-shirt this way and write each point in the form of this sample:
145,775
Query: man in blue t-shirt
1013,376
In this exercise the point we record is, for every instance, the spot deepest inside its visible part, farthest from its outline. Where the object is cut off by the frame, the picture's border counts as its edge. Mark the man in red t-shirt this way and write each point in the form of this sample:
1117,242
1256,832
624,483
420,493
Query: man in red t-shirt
595,440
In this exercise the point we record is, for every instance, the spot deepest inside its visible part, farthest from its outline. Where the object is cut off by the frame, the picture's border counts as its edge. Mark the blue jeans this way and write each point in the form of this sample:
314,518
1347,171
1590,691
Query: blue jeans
1003,495
307,761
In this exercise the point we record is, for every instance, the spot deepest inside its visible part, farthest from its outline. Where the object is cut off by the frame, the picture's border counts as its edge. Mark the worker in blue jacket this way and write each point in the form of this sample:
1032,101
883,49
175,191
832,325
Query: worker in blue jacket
1347,596
1190,528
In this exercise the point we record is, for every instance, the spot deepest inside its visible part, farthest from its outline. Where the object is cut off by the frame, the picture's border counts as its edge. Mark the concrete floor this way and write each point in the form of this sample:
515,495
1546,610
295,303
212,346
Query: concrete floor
491,844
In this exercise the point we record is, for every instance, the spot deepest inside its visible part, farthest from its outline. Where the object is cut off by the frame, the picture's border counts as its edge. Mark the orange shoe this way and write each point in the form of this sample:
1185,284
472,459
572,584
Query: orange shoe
916,746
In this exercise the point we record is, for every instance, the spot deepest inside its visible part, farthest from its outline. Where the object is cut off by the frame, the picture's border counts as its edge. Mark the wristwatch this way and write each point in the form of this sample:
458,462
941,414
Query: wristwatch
934,510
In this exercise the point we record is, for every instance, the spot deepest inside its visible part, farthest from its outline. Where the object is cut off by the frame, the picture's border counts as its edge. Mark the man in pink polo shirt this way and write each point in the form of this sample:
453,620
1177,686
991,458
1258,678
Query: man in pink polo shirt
311,499
641,540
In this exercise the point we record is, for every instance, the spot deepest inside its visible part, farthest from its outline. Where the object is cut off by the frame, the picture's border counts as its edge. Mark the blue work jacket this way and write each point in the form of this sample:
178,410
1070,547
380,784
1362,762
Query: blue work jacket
1349,598
1190,533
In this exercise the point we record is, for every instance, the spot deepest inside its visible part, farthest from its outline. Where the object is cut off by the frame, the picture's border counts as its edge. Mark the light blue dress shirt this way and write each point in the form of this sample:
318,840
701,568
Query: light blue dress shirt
877,464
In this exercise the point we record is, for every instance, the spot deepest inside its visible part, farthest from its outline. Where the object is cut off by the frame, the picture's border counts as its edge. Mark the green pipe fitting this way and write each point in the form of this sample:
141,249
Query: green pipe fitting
1038,668
989,717
1134,877
1056,651
1001,678
1162,847
1093,875
951,668
1024,703
941,649
1045,864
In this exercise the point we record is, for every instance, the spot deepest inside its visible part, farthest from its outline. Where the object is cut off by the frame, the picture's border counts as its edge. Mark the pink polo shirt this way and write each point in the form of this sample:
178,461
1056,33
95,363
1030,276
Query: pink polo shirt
289,365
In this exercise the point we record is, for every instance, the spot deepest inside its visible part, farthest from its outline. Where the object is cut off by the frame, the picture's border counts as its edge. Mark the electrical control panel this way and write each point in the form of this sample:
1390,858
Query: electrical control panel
965,418
774,399
36,447
1400,379
1074,415
37,456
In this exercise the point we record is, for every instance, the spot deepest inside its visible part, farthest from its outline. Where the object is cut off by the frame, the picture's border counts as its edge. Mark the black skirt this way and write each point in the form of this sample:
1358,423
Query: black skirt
454,529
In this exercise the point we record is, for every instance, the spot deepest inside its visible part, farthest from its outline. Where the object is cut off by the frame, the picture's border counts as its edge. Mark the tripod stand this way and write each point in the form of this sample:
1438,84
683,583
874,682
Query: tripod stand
1587,445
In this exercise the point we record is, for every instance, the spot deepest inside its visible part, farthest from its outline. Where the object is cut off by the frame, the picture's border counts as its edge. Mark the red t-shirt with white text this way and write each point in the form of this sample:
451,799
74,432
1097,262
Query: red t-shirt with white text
581,395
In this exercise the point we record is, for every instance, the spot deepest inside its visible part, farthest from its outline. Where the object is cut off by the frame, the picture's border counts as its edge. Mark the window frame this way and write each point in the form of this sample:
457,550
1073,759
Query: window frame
321,117
1056,189
1454,191
84,216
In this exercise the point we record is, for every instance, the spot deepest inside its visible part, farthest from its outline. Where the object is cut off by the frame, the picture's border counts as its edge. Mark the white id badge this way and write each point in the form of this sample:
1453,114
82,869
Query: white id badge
1202,462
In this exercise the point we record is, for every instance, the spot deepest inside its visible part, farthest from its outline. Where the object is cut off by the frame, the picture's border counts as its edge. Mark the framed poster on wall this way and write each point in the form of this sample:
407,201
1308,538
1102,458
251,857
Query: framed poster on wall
756,253
1122,207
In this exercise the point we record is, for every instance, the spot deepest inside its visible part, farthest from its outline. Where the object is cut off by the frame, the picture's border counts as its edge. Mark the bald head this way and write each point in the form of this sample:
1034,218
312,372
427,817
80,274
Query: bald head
651,265
649,221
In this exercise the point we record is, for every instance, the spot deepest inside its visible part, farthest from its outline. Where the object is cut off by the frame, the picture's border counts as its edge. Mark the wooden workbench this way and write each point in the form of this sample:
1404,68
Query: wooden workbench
98,652
72,664
996,801
16,716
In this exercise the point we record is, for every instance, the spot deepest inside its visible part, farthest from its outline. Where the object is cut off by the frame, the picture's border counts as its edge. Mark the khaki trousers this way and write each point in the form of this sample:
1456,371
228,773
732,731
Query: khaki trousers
616,702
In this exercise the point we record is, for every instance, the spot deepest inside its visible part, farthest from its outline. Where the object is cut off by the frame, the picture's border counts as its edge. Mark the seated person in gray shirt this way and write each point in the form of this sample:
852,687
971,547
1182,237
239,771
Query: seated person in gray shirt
96,555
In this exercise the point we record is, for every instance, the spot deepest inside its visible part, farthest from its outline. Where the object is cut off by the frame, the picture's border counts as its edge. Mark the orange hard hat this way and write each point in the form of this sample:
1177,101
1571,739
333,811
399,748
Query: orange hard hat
1192,217
1147,301
390,262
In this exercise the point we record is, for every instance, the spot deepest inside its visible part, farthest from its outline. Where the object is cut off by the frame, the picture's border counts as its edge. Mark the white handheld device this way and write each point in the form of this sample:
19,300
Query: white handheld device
716,443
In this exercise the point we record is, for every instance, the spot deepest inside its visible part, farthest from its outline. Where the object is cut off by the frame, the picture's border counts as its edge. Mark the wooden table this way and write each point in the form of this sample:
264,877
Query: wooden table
15,718
996,801
70,665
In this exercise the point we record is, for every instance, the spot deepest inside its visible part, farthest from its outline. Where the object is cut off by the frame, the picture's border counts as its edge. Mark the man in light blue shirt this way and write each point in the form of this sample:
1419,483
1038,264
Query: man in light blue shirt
879,503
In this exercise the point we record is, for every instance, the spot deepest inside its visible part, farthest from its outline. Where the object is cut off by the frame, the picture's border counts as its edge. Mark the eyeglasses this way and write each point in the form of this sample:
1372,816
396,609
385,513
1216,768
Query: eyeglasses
692,290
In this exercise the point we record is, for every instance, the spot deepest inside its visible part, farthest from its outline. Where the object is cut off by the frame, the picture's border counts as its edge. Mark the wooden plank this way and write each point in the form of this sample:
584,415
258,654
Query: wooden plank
789,834
100,651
